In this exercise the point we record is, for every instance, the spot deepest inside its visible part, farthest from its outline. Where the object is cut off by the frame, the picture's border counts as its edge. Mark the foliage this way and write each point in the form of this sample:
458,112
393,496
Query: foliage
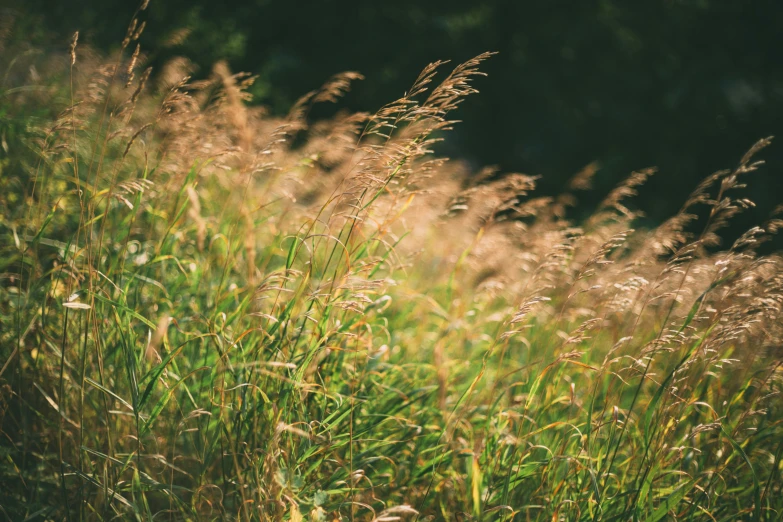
207,312
683,85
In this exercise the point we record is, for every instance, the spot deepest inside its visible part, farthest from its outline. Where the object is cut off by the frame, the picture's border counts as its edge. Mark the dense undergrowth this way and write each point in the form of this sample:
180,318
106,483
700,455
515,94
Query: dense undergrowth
207,313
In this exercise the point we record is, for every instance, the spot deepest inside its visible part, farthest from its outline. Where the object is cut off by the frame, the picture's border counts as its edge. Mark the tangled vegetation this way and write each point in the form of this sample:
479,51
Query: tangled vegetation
209,313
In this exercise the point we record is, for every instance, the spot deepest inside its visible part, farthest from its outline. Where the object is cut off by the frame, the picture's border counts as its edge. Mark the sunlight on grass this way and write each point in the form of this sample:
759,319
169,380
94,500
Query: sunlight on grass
209,313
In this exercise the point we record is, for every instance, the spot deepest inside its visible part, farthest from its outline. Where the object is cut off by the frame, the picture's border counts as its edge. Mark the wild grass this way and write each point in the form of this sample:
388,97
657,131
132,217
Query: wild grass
210,313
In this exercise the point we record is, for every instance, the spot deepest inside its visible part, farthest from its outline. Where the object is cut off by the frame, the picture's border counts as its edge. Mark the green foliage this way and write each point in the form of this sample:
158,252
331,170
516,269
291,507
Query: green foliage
209,313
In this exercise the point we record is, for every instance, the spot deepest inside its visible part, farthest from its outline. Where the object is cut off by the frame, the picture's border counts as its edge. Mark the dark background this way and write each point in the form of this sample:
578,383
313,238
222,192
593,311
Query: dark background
686,86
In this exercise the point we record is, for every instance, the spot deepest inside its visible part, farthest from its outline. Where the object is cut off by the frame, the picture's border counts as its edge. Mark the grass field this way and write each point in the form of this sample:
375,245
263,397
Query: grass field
210,313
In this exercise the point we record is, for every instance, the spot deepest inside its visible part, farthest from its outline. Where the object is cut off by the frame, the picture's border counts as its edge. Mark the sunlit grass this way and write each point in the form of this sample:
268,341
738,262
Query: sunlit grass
207,313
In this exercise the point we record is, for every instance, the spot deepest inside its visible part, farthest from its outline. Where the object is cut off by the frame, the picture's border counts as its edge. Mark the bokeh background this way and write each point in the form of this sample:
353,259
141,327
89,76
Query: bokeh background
684,85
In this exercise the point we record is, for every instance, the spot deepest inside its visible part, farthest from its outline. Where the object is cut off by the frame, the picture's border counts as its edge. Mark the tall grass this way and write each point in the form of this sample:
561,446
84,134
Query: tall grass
210,313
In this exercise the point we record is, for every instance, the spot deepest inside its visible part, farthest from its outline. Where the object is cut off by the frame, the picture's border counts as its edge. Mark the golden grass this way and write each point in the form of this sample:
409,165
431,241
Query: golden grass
209,313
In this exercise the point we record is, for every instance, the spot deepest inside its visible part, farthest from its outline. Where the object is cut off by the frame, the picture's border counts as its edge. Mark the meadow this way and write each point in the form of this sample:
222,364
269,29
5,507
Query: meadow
211,313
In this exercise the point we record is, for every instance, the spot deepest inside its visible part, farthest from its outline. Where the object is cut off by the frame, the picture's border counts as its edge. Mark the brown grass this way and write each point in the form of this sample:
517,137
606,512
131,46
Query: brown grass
207,312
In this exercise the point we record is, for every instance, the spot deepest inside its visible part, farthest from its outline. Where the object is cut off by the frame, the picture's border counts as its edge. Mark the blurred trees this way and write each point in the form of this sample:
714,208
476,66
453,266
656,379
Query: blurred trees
686,85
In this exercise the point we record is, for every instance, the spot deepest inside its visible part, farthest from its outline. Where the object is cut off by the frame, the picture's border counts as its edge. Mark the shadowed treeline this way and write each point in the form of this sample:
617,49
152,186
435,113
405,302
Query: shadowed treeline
682,85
